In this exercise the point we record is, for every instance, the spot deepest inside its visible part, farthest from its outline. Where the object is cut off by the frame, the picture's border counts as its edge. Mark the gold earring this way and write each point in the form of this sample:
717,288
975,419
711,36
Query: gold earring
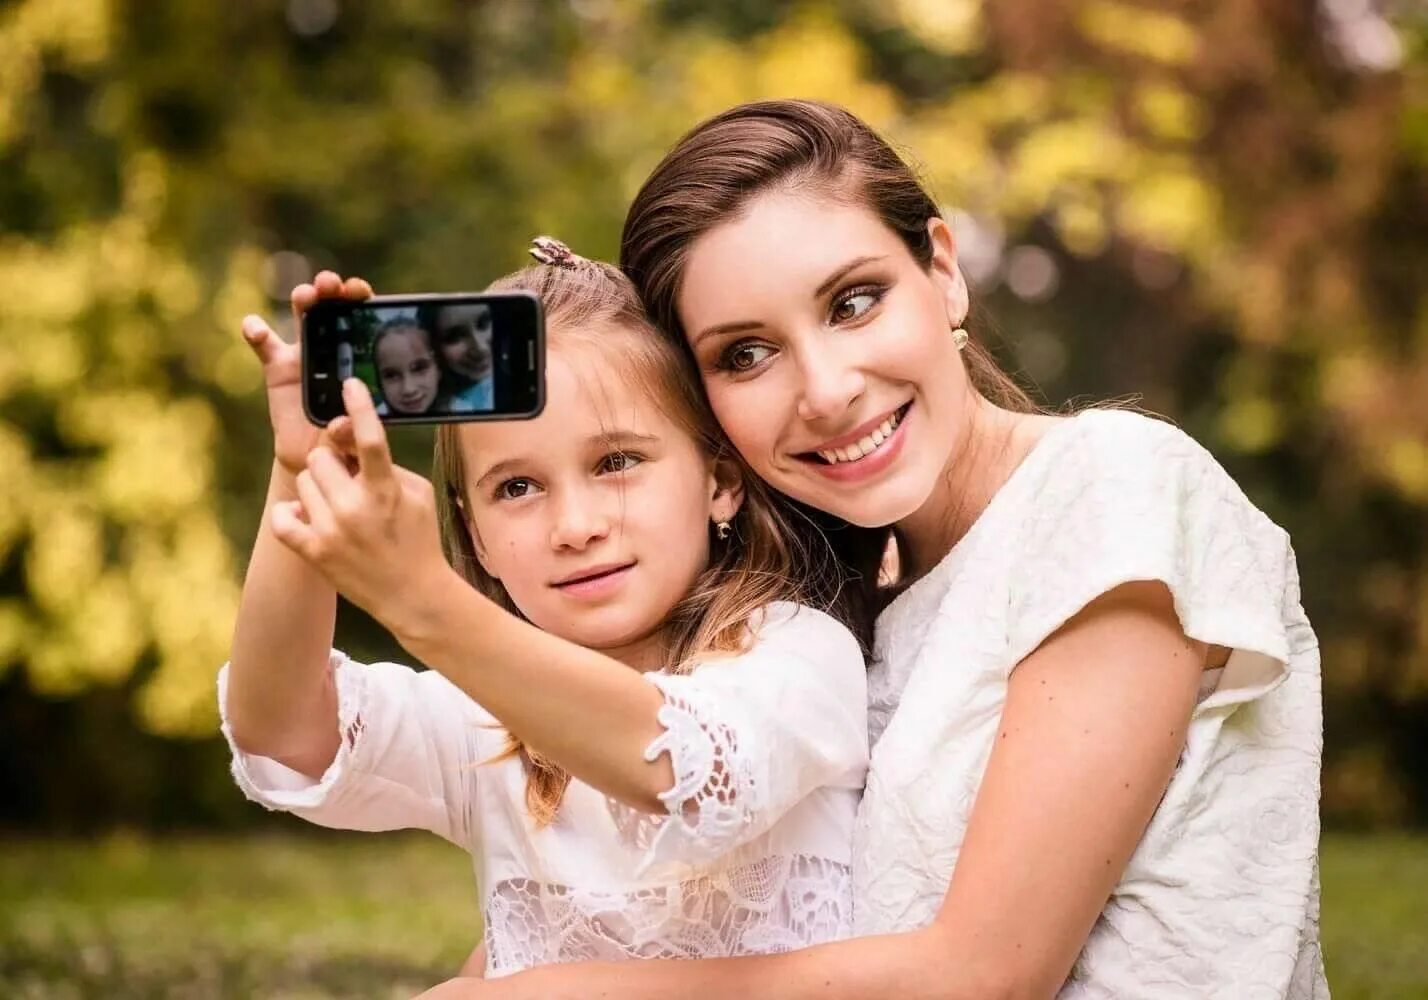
722,530
960,338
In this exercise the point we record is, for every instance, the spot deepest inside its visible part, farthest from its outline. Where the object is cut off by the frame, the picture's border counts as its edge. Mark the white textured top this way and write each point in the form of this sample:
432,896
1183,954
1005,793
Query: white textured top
1221,898
769,750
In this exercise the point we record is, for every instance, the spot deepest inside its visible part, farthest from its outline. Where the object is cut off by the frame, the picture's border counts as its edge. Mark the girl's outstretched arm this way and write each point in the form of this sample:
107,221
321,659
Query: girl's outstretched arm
1093,723
374,535
280,700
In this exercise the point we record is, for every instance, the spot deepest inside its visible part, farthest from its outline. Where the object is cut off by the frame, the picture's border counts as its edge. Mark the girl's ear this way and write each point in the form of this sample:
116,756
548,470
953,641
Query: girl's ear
727,490
945,271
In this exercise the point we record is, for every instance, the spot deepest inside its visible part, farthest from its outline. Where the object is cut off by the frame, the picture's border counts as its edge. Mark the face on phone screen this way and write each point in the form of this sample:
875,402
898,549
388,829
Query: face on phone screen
427,358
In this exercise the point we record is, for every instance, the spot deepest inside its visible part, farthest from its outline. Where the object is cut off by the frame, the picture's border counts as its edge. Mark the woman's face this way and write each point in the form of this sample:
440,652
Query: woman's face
407,370
463,335
827,352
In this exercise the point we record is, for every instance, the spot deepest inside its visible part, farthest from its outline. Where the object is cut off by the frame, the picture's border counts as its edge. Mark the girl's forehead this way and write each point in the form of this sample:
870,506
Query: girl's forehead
588,395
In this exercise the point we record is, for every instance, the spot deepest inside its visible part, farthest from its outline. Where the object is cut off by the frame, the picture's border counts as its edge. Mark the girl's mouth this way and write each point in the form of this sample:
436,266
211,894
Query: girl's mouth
866,456
595,582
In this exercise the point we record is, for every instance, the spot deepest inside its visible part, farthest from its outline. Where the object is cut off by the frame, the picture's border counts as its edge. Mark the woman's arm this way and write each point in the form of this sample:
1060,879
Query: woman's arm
1093,724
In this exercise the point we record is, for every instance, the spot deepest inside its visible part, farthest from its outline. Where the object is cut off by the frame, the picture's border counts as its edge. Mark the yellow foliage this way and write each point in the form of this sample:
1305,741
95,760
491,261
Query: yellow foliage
1139,31
1251,424
1169,112
949,26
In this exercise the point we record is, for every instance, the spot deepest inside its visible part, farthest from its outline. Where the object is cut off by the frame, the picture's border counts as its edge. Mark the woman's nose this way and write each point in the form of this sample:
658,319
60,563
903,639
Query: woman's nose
831,383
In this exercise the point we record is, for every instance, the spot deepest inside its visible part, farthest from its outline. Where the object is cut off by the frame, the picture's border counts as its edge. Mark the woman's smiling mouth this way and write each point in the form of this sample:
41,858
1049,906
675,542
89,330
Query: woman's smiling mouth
864,452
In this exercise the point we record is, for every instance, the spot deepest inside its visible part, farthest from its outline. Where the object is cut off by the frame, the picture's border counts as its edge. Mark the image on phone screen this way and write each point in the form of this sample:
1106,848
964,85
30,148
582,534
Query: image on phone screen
427,358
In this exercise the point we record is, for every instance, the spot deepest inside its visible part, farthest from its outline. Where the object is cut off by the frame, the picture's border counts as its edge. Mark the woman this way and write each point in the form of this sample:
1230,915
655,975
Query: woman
1095,708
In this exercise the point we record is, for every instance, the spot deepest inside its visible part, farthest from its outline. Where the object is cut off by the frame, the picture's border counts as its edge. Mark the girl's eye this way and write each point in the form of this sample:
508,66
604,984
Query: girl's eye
514,489
854,303
421,367
619,461
745,356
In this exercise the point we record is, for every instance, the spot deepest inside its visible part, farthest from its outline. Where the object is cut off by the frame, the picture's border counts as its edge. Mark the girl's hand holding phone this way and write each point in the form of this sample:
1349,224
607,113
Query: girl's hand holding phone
368,525
293,434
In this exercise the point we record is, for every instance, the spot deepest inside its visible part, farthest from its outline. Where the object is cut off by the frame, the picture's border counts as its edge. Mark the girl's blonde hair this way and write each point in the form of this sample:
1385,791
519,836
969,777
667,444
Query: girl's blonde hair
775,552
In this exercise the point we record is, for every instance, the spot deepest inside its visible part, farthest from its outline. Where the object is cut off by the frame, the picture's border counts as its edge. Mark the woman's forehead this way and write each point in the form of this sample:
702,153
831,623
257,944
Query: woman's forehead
783,243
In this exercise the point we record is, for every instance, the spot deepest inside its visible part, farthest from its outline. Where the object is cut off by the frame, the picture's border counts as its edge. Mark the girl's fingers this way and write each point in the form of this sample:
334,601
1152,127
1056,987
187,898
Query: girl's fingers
329,473
368,433
303,298
356,288
285,518
328,284
260,337
314,504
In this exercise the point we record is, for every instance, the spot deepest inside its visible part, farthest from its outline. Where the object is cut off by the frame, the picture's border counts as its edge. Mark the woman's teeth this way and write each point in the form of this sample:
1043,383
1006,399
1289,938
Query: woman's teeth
866,445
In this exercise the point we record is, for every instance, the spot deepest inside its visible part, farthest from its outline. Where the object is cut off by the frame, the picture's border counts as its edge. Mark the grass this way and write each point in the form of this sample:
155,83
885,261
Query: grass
386,916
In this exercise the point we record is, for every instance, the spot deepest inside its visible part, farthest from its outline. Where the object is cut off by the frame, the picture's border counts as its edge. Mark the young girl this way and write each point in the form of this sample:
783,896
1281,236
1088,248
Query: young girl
649,745
407,370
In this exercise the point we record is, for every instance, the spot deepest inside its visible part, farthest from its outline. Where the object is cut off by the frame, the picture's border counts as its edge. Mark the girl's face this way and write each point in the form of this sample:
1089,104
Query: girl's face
463,335
406,368
827,352
595,515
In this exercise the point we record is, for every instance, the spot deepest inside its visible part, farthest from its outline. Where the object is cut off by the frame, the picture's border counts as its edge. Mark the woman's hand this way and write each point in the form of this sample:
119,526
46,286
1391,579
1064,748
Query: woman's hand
369,526
293,434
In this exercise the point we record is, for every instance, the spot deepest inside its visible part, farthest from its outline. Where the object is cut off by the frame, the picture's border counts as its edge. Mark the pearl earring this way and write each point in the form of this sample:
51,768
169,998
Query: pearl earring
960,338
722,530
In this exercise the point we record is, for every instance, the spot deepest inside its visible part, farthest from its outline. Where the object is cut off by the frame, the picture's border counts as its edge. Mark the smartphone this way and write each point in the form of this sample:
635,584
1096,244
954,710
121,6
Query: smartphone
427,358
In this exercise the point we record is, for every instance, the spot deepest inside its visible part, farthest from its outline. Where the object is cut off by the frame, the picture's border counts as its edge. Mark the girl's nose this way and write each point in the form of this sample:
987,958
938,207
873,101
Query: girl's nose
831,383
579,520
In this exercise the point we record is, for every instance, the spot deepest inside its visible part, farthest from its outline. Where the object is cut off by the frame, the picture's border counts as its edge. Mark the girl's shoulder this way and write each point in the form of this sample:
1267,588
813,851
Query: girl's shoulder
794,625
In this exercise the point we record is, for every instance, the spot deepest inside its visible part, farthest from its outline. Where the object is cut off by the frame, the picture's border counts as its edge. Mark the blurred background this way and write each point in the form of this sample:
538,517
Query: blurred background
1220,206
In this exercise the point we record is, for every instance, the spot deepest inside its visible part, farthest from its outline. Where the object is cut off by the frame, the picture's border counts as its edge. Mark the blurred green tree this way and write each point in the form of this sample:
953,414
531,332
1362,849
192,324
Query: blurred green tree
1217,205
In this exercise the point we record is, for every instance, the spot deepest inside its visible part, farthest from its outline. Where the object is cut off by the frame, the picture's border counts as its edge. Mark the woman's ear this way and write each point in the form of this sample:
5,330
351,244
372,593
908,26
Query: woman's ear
945,271
727,490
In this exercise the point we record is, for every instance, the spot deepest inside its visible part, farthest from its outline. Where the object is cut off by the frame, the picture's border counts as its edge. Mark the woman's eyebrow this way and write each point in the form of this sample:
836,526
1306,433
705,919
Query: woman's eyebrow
739,326
842,272
743,326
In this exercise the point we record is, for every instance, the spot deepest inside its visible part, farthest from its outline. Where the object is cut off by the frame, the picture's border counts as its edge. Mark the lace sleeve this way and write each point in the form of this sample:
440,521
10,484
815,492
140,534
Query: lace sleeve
798,700
407,740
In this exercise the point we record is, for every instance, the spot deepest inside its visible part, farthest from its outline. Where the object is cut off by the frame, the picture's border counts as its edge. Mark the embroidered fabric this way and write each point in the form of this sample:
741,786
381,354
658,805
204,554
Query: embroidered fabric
772,905
716,794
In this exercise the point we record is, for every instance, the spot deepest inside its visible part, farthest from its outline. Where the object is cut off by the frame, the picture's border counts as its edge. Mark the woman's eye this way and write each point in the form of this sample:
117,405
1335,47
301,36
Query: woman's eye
619,461
745,357
855,304
514,489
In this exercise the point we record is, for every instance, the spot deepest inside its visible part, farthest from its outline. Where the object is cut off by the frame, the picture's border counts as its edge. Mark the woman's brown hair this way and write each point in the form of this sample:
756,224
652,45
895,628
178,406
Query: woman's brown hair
772,553
710,176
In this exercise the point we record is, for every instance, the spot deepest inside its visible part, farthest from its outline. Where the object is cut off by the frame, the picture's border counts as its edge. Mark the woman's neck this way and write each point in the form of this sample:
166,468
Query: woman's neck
992,446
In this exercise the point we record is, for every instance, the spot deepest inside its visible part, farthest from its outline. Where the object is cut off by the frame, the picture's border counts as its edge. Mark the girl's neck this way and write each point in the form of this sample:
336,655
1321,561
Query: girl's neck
992,446
643,654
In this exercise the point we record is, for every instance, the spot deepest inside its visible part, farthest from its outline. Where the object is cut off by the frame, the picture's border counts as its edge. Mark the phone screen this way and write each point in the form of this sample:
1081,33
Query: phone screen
427,358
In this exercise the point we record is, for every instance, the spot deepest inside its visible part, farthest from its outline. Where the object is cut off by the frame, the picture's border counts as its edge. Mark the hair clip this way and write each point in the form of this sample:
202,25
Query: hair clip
549,250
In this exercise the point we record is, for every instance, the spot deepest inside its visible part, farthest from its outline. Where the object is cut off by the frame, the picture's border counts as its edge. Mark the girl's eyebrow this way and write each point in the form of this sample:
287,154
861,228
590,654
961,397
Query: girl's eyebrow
500,468
743,326
613,439
621,437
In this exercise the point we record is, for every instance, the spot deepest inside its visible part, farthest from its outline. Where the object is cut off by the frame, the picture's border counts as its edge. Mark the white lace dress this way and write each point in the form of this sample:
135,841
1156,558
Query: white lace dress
769,750
1221,898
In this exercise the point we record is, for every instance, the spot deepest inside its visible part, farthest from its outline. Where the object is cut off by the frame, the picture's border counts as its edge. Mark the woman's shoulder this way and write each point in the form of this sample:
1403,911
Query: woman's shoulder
1125,462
